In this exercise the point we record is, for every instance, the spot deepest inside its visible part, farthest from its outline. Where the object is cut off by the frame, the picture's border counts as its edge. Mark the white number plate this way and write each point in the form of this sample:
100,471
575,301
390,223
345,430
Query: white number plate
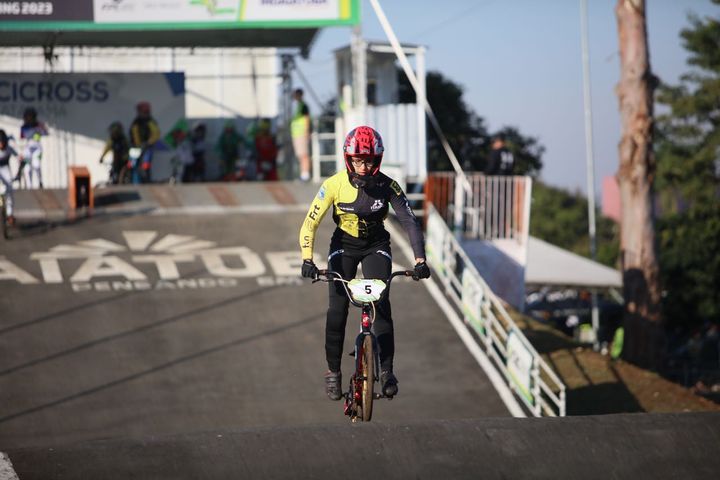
363,290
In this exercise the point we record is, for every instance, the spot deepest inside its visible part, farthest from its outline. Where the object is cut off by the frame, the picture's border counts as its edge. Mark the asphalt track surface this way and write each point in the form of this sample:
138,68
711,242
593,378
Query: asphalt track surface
137,367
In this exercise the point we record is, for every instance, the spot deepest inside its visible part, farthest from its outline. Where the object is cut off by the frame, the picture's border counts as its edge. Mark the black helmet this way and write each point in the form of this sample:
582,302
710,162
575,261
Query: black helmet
30,112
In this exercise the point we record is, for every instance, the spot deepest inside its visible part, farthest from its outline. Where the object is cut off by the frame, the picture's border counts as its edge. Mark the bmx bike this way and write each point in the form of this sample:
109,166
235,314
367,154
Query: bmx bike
364,294
137,169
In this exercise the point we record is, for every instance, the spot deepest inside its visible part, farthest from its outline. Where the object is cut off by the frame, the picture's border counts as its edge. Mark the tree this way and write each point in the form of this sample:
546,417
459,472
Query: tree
465,130
688,151
644,334
560,217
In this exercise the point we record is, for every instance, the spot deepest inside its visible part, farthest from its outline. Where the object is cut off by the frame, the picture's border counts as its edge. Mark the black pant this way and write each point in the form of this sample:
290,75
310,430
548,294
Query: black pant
376,259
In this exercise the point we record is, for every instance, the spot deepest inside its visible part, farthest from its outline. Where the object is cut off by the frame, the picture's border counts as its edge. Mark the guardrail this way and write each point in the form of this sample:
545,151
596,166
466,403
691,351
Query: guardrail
525,371
496,207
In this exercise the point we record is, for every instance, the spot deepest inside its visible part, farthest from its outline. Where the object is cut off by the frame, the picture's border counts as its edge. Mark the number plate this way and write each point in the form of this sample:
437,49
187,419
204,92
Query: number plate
364,291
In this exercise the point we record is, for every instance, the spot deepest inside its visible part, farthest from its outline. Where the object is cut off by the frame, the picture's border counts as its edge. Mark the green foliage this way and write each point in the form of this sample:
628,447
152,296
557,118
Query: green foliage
466,131
688,180
560,217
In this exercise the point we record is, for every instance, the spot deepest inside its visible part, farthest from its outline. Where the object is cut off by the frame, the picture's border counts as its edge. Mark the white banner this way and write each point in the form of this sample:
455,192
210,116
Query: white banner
145,11
222,11
258,10
472,299
519,365
434,240
78,108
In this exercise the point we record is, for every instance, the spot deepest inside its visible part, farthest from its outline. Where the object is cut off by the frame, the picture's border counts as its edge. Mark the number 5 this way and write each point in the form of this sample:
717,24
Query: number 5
368,288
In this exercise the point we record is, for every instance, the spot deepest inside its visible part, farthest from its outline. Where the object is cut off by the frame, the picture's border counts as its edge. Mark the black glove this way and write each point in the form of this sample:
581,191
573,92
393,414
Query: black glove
309,270
421,271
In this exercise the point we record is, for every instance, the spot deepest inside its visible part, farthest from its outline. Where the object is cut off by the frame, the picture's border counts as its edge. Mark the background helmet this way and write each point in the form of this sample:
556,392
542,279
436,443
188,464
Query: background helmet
115,128
31,113
363,142
143,108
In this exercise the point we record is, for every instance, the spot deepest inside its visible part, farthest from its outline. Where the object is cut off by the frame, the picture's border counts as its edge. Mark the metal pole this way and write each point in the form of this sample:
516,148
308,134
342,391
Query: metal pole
590,169
405,64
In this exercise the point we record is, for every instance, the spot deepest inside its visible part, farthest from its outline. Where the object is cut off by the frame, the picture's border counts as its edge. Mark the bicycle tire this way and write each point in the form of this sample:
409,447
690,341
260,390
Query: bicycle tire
5,226
368,372
124,176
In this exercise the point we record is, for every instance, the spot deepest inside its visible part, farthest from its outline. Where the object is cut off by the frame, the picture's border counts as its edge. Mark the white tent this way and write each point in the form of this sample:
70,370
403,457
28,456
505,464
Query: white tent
551,265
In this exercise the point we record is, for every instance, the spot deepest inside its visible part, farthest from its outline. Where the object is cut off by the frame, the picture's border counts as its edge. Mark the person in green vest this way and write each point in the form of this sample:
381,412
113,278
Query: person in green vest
300,132
228,145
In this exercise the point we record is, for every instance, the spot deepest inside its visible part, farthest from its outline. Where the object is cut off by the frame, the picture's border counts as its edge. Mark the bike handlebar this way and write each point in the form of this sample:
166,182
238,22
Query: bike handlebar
331,276
328,273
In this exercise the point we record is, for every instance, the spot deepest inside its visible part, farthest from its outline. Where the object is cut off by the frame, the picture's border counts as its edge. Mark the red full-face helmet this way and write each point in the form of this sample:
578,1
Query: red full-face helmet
143,108
363,142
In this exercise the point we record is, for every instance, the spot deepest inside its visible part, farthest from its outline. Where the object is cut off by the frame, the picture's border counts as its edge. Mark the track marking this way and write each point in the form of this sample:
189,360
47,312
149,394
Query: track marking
493,375
281,194
6,469
223,196
165,196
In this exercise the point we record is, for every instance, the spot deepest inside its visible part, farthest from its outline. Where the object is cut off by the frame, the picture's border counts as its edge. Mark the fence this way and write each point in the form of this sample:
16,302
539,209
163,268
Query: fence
495,207
525,371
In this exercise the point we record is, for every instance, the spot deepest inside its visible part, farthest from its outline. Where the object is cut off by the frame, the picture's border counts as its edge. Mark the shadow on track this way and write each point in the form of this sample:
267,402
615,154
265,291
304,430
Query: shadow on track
164,366
134,331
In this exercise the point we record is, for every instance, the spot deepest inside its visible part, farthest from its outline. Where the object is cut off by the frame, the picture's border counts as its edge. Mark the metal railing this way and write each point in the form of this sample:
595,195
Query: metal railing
323,149
495,207
525,371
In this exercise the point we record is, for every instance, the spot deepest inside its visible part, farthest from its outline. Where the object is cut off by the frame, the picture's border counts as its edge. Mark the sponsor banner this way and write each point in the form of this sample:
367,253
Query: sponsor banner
472,299
86,103
174,11
272,10
53,10
78,108
519,364
434,241
176,14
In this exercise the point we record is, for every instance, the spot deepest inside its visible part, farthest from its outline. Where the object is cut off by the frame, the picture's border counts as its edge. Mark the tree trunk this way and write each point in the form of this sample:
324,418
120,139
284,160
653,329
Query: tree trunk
644,333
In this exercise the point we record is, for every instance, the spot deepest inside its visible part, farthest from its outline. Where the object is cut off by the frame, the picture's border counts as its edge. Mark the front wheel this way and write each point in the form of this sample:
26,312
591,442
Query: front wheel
124,176
4,219
368,373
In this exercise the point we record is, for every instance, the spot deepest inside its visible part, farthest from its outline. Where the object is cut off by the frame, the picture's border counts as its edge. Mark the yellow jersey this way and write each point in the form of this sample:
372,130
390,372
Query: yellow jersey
359,212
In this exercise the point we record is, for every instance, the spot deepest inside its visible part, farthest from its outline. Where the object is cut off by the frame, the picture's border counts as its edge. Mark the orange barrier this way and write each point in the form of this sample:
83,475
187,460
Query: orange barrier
80,191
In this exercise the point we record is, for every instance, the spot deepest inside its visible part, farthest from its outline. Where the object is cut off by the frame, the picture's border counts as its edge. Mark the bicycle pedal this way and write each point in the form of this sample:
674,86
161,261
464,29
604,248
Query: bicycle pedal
351,354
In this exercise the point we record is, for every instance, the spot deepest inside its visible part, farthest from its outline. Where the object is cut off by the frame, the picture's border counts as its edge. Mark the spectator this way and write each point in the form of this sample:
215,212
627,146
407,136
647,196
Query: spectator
300,132
501,160
229,147
249,164
183,156
199,147
266,151
144,134
118,144
31,132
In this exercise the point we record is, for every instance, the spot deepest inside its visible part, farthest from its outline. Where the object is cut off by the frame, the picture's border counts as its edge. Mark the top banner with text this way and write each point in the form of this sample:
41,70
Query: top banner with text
76,15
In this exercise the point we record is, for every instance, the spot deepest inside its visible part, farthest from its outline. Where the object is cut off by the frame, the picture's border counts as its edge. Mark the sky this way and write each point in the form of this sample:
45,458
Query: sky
520,64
